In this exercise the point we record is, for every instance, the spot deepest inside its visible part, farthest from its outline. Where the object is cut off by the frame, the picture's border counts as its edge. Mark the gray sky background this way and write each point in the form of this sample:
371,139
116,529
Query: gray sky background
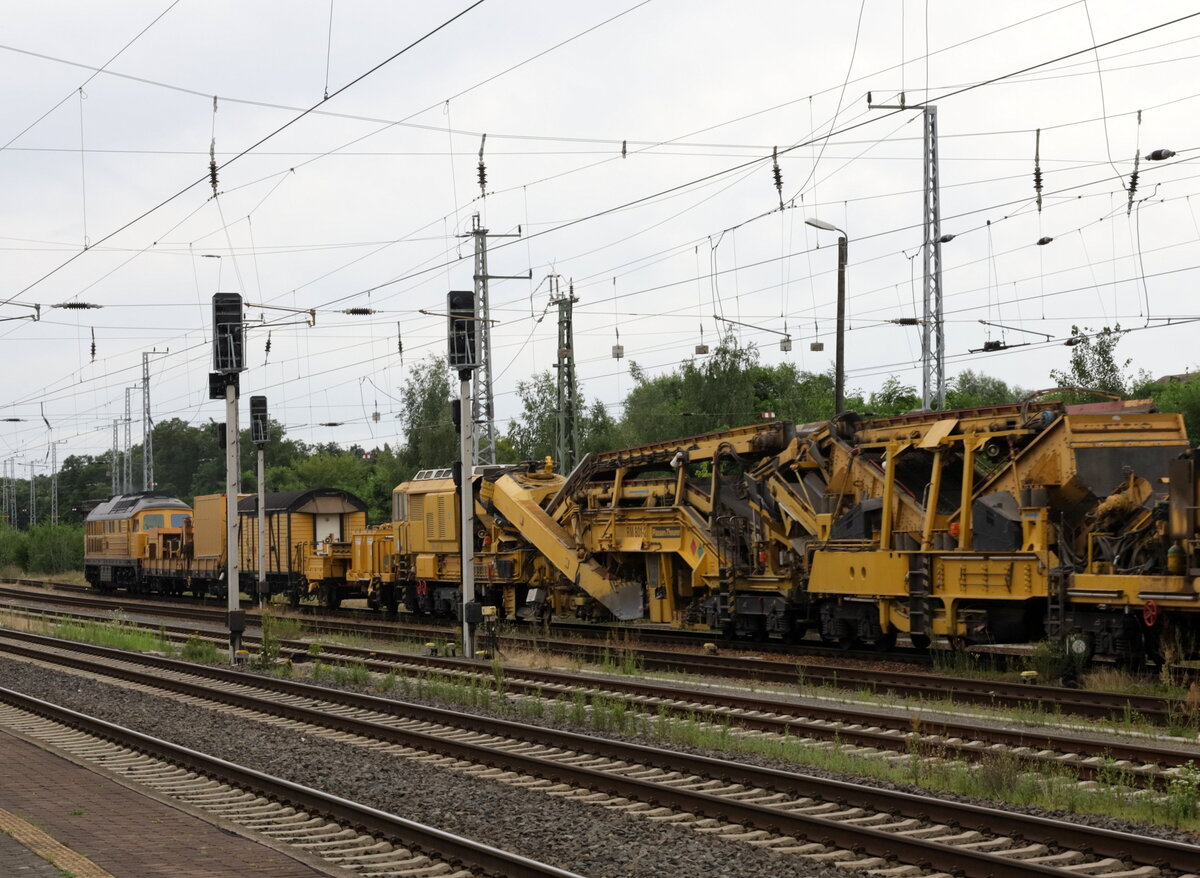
360,203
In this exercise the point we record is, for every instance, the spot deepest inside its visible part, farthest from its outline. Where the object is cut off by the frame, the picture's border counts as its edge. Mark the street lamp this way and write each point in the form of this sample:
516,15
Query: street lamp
839,368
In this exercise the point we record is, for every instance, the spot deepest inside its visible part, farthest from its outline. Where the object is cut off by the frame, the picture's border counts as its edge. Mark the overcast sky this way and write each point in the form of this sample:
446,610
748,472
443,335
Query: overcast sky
360,203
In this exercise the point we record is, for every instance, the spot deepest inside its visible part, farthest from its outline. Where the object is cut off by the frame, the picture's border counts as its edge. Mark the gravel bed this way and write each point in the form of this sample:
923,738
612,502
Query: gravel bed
783,765
965,712
582,838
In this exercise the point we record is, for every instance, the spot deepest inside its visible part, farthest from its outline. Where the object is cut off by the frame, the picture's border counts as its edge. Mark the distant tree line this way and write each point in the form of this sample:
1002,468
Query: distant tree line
730,387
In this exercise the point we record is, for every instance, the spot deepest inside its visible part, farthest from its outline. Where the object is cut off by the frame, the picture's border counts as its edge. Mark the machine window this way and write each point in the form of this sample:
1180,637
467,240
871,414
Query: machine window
153,520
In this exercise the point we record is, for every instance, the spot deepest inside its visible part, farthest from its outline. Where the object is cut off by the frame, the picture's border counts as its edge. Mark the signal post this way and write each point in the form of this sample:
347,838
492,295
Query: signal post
223,383
461,337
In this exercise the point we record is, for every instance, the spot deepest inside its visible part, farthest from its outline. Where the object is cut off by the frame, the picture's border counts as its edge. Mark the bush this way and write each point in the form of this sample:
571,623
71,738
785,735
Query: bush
14,547
197,649
54,548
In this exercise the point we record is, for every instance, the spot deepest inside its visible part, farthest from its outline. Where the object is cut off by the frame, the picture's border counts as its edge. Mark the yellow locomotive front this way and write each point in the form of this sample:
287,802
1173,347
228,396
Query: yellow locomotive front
137,541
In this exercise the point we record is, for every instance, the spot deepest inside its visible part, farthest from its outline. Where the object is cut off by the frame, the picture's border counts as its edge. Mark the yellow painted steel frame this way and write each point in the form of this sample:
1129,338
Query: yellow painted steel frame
1125,590
666,536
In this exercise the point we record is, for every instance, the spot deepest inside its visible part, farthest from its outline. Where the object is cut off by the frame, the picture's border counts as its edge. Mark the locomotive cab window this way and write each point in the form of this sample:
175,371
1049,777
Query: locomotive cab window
178,518
153,520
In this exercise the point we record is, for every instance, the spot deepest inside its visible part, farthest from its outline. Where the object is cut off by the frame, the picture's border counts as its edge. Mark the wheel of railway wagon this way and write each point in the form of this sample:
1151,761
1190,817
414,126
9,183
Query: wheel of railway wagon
1133,659
886,642
920,641
331,598
390,599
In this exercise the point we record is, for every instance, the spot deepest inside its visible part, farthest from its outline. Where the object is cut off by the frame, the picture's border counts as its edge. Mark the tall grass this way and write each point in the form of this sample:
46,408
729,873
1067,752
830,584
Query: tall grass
44,548
118,635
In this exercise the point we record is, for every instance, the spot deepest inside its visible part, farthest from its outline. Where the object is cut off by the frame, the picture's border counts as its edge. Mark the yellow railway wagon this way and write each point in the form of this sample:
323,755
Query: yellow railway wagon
308,535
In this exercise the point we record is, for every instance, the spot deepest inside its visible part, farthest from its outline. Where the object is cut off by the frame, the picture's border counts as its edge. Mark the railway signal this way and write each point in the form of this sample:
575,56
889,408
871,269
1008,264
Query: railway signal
229,361
463,356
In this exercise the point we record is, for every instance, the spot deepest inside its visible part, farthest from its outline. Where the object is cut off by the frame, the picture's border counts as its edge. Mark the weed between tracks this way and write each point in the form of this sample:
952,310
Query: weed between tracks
1001,777
118,635
1004,778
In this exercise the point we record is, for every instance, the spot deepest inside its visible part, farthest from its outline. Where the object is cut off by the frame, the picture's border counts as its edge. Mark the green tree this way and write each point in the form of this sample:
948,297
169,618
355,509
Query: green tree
893,398
791,393
344,470
970,389
385,471
598,430
1182,397
702,395
430,438
82,478
534,433
187,460
14,548
1094,365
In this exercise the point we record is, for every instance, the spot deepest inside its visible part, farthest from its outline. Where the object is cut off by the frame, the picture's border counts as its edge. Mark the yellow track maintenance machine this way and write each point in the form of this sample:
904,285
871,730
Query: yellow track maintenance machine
521,554
1000,524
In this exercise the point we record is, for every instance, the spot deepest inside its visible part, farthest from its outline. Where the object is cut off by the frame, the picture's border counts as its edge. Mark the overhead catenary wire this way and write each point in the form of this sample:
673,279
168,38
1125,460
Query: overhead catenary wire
735,268
250,148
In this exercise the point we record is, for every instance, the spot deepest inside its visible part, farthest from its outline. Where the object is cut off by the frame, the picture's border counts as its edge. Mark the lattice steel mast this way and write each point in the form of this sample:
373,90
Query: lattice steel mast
567,434
482,407
127,456
933,340
147,425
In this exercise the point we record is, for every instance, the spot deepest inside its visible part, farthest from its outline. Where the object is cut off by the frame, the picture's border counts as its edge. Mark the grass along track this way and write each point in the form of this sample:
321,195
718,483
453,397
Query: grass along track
1010,771
859,730
810,816
1154,709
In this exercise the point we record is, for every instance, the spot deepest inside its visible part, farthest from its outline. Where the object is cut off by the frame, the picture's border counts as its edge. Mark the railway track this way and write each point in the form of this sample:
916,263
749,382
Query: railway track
1130,761
321,618
344,834
936,689
854,825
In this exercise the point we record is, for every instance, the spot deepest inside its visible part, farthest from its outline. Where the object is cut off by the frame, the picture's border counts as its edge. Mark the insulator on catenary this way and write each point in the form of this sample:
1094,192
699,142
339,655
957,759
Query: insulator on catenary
93,344
1133,182
482,169
1137,161
212,165
359,312
624,143
212,152
1037,168
267,350
778,174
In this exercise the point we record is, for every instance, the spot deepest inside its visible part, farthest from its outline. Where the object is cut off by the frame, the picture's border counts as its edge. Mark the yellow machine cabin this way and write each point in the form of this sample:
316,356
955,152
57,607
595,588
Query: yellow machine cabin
523,558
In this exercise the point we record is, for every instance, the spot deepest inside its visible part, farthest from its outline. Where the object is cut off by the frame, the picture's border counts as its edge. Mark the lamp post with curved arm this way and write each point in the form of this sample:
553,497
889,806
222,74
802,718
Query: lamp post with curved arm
839,368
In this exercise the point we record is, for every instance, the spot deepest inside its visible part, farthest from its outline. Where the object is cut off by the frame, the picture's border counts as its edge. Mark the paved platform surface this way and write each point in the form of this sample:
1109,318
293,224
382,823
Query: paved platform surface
58,818
18,861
